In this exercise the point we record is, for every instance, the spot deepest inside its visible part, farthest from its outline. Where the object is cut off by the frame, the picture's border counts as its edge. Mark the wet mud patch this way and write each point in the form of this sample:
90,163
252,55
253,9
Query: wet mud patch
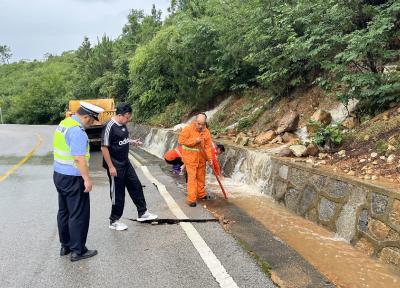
275,258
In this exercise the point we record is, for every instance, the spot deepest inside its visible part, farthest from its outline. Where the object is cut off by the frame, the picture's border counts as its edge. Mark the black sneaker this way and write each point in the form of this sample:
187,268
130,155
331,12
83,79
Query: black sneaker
194,204
64,251
207,197
87,254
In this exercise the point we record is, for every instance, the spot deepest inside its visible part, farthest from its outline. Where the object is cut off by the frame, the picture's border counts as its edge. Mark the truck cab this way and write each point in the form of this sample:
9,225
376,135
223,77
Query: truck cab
94,131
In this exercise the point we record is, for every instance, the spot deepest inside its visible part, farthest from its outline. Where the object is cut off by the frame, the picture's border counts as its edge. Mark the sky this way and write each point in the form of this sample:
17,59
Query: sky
32,28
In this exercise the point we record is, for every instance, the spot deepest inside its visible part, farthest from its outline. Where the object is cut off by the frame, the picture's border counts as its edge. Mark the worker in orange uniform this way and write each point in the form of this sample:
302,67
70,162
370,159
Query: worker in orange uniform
174,157
197,145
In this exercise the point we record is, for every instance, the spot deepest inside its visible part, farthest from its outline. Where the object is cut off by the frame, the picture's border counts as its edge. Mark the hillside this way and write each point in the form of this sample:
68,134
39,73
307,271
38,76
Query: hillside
203,49
369,148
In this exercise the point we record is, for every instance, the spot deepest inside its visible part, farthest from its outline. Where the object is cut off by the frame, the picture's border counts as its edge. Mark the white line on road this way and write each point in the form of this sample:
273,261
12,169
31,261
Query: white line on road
209,258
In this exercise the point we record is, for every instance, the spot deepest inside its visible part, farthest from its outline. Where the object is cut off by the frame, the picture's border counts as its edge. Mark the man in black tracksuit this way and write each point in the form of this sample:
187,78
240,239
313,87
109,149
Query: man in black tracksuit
115,148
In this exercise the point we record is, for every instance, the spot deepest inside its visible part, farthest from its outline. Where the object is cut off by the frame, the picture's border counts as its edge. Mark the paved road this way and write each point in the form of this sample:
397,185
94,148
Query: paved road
143,256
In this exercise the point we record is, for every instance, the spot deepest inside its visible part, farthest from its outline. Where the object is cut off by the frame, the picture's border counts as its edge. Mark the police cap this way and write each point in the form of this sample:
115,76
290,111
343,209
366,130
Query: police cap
91,110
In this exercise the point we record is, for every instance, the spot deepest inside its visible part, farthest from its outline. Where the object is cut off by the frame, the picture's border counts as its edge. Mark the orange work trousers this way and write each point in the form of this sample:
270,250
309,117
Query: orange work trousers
196,181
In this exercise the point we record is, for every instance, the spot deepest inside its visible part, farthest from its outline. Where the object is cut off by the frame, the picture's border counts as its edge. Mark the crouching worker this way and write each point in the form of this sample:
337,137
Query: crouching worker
115,149
174,157
196,151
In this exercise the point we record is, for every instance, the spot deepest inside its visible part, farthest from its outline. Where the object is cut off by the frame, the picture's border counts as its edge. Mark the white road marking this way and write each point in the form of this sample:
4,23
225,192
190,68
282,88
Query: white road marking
209,258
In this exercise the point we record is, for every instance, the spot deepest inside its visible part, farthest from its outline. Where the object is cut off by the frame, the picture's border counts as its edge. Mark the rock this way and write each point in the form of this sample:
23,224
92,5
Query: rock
375,162
322,162
391,148
350,123
362,160
242,139
289,137
312,150
310,161
292,198
374,177
342,153
285,152
366,137
288,123
277,140
351,173
265,137
374,155
386,116
382,158
298,150
326,209
323,155
391,158
379,203
366,177
322,116
378,229
390,255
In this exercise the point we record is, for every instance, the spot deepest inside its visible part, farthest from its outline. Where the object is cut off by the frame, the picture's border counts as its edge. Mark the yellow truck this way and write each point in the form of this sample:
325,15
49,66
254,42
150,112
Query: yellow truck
94,132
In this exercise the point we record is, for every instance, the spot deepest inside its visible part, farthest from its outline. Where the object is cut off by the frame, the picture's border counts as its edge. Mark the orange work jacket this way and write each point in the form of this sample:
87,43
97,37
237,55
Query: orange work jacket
171,155
192,153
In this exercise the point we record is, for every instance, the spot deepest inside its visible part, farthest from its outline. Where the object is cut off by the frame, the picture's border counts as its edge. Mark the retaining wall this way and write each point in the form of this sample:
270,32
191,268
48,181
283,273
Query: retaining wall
366,215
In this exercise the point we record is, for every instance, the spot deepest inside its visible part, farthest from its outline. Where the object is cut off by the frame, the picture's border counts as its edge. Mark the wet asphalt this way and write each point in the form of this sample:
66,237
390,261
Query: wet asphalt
143,256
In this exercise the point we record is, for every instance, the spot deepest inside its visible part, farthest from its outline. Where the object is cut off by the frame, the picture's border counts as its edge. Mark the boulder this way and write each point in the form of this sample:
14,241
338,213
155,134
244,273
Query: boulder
312,150
288,137
285,152
350,123
298,150
322,116
265,137
288,123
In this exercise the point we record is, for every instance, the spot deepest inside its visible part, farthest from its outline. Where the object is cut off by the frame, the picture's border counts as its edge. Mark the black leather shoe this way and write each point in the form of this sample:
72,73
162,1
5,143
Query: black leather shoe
87,254
64,251
207,197
193,204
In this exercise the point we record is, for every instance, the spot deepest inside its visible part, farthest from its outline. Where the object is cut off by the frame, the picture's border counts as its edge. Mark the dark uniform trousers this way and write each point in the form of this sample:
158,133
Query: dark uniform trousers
73,212
126,177
176,161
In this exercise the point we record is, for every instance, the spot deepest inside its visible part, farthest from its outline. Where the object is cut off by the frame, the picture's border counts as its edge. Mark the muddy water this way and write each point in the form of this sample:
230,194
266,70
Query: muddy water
340,262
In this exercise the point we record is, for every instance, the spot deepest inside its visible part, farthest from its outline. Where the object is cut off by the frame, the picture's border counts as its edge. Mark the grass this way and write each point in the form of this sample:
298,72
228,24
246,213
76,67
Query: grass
265,267
376,128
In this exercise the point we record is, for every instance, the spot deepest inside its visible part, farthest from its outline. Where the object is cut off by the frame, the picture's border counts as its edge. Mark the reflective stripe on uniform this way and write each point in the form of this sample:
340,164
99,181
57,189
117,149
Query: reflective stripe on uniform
190,148
177,152
62,152
65,162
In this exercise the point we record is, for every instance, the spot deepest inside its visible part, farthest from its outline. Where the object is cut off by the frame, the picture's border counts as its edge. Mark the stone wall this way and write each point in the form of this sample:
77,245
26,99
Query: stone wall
366,215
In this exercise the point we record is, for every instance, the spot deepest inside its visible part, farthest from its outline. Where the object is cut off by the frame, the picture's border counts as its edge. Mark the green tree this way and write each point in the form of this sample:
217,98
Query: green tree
5,54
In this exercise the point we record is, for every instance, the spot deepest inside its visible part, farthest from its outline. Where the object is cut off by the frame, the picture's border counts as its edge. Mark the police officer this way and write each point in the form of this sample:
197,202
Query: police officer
71,178
115,148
